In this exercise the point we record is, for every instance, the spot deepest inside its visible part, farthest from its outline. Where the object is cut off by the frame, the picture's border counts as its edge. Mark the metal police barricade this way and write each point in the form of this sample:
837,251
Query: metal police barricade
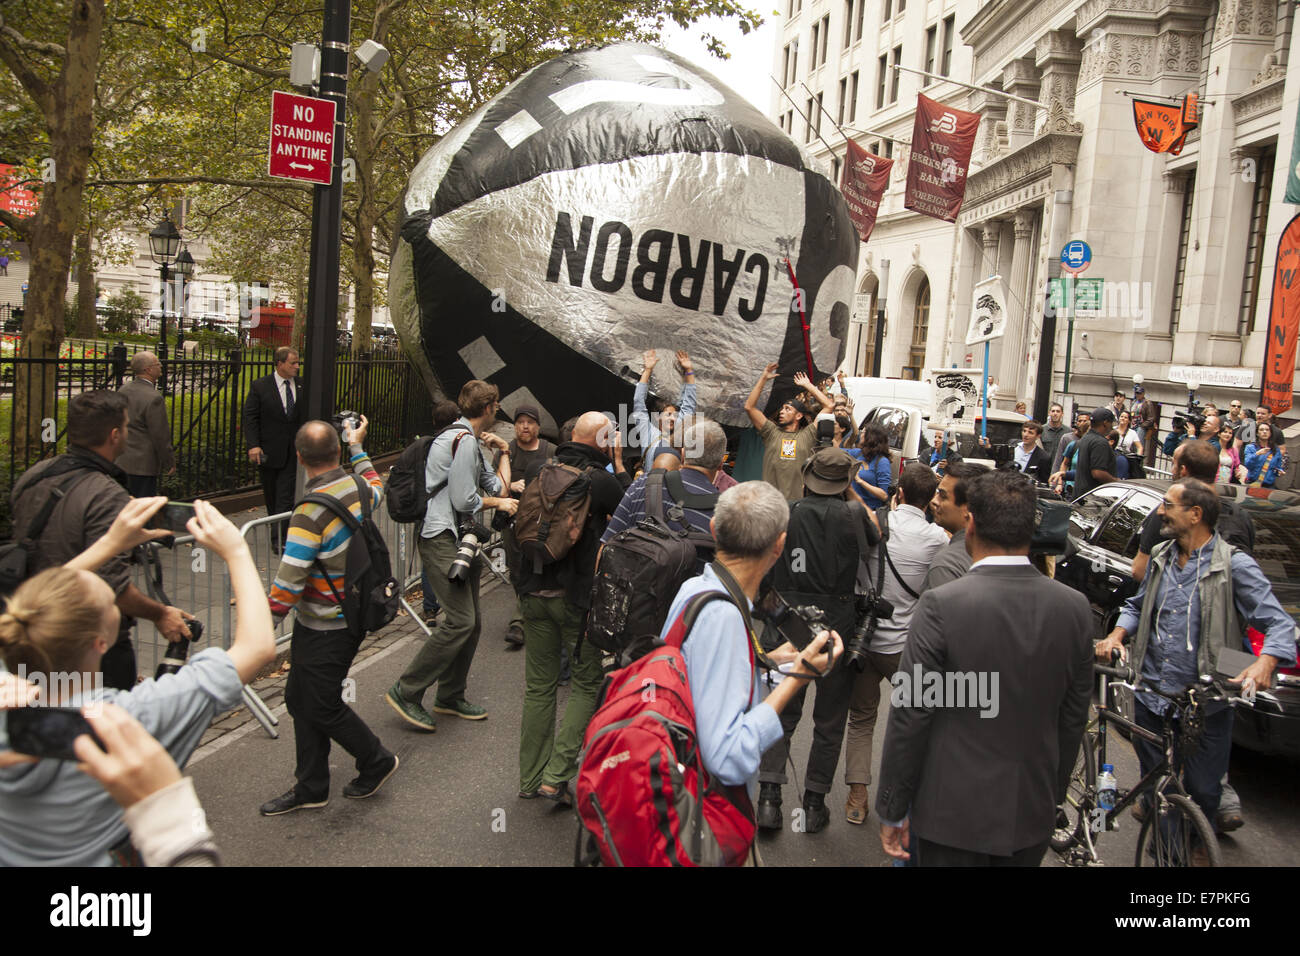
196,581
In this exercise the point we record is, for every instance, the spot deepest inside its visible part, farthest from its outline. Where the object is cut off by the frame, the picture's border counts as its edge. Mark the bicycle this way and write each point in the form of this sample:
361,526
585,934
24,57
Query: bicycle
1174,826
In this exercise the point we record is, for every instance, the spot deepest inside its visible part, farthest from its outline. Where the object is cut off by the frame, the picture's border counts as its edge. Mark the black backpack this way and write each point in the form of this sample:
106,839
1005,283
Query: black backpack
642,568
408,500
15,556
372,593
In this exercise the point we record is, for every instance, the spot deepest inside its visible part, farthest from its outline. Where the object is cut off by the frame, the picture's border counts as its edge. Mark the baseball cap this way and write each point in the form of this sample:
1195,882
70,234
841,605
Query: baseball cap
529,410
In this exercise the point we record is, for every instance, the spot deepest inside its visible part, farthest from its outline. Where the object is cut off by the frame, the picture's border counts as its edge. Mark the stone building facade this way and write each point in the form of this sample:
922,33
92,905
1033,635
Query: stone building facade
1184,245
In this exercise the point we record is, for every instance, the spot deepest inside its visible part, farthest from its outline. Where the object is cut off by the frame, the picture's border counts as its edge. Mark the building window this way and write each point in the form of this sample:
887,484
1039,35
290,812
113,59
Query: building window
880,86
893,81
844,95
874,148
862,9
949,30
826,36
848,23
1255,249
808,133
1184,230
888,13
816,35
902,5
920,332
931,43
853,96
889,149
835,177
785,67
820,110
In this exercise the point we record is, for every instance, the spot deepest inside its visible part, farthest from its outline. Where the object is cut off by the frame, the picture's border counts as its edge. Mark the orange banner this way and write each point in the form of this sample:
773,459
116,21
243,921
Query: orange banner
1283,322
1161,125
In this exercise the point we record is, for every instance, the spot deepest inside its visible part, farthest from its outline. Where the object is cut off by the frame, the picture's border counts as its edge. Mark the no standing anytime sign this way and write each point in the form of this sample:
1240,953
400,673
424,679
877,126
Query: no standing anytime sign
302,138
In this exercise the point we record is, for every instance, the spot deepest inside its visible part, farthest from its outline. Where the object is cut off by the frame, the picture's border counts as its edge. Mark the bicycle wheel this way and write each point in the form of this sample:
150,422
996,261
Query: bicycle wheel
1182,828
1075,814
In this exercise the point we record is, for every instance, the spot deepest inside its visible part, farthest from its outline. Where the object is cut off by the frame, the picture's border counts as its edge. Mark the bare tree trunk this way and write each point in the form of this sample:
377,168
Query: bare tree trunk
87,327
68,111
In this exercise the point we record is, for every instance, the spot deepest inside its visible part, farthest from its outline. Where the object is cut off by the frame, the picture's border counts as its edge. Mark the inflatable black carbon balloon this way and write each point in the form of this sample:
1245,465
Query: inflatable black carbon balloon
609,201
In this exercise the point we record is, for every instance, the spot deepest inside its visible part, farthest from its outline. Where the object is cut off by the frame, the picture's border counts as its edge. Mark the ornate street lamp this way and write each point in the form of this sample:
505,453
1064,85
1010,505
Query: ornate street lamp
184,268
164,243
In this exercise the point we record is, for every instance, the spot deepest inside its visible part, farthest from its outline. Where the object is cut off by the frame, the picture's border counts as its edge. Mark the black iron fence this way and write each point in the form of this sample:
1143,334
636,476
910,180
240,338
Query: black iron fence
204,393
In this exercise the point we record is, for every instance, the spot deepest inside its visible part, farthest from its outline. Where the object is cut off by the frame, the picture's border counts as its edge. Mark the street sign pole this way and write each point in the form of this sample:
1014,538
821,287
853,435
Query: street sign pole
984,418
326,222
1069,331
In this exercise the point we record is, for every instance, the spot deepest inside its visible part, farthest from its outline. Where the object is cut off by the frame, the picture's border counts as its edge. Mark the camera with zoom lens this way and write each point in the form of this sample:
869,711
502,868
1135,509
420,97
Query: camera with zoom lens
872,609
471,537
1194,414
825,430
798,624
345,419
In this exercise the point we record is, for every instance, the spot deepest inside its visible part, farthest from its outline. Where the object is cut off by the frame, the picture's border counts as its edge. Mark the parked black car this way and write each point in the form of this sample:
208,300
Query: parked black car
1105,525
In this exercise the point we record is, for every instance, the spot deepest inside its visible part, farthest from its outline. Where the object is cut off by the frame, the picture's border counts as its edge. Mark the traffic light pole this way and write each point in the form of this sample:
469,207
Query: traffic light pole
326,223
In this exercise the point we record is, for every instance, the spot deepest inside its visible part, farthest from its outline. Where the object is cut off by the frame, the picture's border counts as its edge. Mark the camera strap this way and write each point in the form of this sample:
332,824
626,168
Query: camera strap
738,597
886,559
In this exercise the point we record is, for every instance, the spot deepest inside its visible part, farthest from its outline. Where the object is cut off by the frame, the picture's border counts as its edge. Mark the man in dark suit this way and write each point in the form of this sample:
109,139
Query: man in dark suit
990,699
272,413
148,439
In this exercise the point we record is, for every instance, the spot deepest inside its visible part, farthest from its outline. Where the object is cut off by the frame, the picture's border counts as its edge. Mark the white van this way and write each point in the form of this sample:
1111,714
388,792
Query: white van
911,411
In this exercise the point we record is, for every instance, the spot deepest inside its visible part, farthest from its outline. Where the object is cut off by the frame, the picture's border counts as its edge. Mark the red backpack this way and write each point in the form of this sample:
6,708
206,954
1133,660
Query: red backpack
642,794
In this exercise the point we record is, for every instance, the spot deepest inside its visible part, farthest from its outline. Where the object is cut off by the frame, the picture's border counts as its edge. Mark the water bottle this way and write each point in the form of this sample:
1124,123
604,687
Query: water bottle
1106,789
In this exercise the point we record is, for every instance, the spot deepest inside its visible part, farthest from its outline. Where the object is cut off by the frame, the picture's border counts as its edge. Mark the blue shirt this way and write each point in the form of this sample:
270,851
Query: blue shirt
633,506
879,472
644,432
733,735
52,814
1170,662
464,477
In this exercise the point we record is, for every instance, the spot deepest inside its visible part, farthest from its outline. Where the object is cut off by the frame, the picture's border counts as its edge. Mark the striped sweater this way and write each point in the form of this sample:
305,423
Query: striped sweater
316,532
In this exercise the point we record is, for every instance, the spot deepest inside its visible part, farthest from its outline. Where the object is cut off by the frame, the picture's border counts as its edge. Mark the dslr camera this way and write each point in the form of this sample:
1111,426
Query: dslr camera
871,608
798,624
345,419
825,430
471,537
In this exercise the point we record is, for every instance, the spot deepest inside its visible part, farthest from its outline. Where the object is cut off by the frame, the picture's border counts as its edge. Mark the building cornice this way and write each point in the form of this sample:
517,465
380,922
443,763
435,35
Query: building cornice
1258,100
1031,162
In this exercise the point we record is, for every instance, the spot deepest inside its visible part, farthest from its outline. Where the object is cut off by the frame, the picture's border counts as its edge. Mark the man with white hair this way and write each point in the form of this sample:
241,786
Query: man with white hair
734,723
148,439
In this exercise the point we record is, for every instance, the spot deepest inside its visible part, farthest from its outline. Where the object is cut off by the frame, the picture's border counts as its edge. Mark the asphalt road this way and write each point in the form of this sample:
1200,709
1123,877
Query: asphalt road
453,799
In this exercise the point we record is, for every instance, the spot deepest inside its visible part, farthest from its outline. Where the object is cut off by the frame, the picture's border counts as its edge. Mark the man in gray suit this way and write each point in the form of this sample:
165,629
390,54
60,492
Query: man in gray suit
990,699
148,440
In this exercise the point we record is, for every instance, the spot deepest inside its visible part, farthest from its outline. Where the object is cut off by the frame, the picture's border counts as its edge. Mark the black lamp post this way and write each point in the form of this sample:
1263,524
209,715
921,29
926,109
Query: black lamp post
184,268
164,243
882,289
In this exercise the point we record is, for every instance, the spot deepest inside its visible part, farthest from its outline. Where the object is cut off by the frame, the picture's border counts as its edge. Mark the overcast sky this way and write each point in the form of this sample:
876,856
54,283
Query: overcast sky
749,70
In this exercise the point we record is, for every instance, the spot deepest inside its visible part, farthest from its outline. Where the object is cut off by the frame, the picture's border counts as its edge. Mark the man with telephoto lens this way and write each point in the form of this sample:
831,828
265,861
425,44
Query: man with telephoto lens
461,485
818,567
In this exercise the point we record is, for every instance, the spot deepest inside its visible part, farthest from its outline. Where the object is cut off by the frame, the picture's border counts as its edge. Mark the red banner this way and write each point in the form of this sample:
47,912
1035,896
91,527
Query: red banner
942,141
866,176
18,200
1163,127
1283,322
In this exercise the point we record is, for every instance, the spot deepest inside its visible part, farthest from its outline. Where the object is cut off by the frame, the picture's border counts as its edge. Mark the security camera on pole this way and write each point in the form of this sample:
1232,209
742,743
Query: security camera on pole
988,321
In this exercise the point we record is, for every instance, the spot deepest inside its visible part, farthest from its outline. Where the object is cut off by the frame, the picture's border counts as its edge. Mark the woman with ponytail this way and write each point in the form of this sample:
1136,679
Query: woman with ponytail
56,628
